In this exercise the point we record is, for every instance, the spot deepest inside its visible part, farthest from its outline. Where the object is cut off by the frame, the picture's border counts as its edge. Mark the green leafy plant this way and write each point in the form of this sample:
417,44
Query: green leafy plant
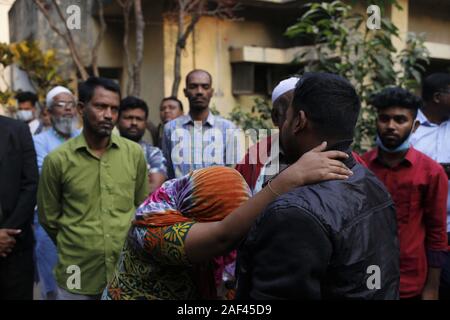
257,118
367,58
42,68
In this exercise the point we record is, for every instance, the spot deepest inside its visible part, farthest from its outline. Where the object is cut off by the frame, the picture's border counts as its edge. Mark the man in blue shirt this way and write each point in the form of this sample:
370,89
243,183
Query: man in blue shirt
62,108
133,114
433,139
198,139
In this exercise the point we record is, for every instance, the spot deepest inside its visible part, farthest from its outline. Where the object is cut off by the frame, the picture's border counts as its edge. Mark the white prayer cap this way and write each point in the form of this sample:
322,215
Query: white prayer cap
283,87
54,92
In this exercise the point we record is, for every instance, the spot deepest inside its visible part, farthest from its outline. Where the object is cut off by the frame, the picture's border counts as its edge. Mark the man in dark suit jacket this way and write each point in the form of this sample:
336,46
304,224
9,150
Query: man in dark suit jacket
18,188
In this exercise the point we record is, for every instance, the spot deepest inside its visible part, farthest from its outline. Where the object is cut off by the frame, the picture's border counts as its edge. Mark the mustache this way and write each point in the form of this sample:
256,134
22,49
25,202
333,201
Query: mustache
390,134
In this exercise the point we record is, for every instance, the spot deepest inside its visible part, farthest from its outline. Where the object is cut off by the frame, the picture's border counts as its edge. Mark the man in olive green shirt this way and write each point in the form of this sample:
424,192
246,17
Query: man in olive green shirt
88,192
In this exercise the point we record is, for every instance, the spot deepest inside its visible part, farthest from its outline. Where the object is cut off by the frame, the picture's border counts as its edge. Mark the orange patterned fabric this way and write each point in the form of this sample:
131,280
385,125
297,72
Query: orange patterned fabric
204,195
153,264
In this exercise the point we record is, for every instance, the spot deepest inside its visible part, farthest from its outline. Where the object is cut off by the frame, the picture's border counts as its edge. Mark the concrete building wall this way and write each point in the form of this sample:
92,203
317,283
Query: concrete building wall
23,20
28,23
210,46
209,49
431,18
5,5
152,73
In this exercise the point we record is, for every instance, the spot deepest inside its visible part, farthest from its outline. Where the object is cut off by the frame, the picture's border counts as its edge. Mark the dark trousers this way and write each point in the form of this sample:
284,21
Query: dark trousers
444,291
17,276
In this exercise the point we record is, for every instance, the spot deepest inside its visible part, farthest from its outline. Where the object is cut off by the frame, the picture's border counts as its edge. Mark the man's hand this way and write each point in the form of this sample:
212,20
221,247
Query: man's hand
430,294
431,288
7,241
315,166
155,180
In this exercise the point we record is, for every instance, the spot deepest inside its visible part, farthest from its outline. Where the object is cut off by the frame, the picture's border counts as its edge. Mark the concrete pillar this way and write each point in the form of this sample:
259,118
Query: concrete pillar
400,19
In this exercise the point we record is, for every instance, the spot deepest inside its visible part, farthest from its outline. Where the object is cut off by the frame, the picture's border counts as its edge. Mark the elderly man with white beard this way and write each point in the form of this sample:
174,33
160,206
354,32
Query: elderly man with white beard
61,105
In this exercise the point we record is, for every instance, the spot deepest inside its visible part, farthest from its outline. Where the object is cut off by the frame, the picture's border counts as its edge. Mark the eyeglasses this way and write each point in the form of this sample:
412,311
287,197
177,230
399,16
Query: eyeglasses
64,104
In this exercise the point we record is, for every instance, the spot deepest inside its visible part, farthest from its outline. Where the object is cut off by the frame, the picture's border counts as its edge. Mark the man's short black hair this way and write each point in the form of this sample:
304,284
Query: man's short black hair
27,96
133,103
87,88
330,102
396,97
180,104
434,83
198,71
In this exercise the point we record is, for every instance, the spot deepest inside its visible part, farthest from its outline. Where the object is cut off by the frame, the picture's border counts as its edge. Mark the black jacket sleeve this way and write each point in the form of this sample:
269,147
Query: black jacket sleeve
285,256
23,212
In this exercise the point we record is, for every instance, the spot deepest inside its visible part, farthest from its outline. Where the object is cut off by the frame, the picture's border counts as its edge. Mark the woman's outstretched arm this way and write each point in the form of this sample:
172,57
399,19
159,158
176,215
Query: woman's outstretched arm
209,239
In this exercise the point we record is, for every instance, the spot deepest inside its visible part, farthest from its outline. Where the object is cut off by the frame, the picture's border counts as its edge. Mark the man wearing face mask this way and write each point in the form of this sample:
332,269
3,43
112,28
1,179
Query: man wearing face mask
61,105
418,186
27,111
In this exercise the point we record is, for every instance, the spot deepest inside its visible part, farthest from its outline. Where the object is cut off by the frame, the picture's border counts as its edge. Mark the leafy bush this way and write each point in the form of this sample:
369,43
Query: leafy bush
367,58
258,118
42,68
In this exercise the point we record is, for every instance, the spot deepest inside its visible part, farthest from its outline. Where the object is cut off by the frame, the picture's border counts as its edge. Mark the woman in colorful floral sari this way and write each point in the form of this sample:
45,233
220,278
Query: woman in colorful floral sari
182,235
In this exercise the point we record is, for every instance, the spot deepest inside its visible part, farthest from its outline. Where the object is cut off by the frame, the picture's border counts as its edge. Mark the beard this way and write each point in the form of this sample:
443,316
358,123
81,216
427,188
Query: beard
288,145
98,130
65,125
392,145
136,137
198,105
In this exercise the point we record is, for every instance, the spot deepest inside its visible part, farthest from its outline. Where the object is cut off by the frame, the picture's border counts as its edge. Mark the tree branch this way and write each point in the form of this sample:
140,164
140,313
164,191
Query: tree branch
140,27
196,9
99,40
69,35
126,8
2,76
49,19
66,37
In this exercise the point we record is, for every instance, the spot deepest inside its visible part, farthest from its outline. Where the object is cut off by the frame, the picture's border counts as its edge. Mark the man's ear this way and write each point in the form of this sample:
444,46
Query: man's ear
80,108
274,115
436,97
300,121
416,125
185,92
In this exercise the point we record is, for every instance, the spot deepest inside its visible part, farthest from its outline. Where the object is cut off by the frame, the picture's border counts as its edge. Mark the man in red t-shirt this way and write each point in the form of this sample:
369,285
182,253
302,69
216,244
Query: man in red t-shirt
418,186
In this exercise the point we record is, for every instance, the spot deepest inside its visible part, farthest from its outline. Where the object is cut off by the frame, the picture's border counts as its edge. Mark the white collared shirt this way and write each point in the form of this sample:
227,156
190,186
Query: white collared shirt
434,140
34,126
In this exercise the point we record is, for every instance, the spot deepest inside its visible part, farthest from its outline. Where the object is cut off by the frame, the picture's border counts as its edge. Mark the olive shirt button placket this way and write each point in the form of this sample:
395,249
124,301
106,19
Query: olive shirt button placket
105,209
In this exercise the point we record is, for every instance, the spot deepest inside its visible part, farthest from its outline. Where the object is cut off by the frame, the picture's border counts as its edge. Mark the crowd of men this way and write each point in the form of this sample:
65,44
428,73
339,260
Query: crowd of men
73,174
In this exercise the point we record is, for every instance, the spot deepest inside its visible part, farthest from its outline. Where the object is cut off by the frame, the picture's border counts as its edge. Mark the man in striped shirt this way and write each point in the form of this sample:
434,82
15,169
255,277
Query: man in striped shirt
199,139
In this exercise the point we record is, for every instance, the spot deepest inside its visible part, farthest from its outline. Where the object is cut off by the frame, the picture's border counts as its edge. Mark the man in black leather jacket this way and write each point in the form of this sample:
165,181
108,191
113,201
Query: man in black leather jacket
332,240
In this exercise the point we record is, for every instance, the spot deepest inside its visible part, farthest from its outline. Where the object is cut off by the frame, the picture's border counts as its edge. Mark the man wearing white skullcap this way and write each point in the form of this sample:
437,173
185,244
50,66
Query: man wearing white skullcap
61,105
272,161
281,98
55,92
284,87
